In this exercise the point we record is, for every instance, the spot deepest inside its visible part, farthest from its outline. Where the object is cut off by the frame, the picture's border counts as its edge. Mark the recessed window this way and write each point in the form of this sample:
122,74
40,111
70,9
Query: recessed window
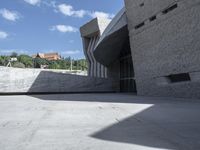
183,77
139,25
153,18
142,4
170,9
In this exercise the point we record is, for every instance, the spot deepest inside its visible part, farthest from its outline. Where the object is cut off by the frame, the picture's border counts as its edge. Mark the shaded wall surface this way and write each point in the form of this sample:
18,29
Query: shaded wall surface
13,80
164,37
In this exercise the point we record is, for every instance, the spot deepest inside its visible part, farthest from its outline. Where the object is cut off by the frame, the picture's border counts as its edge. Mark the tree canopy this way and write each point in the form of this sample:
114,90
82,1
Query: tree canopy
25,61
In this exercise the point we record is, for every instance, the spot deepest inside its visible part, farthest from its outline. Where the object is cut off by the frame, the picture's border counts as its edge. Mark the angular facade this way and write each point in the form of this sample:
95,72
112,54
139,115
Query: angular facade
152,48
91,33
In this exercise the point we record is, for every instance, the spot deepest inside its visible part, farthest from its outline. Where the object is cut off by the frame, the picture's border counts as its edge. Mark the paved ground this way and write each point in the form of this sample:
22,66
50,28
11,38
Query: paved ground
98,122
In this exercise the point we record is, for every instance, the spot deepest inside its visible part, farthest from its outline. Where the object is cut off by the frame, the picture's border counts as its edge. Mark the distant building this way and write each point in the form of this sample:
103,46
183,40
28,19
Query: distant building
48,56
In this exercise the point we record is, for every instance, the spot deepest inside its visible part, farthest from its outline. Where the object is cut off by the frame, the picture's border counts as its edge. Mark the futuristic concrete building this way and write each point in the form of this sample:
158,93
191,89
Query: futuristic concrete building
151,47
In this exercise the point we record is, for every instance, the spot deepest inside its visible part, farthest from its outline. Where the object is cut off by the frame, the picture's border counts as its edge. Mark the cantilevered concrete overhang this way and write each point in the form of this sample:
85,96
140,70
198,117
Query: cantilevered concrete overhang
93,28
90,33
112,40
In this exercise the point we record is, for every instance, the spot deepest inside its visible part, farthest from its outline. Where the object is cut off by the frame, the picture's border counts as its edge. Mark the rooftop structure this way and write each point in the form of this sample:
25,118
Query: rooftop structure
48,56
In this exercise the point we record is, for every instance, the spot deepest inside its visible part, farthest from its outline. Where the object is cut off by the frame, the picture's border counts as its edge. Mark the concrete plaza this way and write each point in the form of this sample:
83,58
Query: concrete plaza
98,122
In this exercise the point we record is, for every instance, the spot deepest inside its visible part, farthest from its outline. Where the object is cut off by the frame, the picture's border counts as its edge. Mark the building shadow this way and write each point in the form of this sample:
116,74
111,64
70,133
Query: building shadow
174,126
169,123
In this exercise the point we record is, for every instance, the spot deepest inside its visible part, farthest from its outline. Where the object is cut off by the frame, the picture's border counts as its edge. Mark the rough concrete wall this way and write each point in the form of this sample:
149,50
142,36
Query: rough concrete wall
164,37
13,80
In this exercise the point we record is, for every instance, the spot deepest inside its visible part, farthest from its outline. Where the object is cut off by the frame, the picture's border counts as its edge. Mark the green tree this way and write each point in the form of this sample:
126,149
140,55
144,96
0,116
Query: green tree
62,64
4,60
54,65
39,61
26,60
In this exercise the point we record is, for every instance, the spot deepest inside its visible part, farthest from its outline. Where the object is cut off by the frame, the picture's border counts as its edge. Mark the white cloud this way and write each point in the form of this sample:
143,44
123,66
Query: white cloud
10,51
63,28
70,52
100,14
80,13
33,2
9,15
3,35
68,10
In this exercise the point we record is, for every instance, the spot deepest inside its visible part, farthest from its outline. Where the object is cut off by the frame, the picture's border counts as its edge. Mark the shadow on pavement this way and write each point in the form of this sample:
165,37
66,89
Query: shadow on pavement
162,126
168,124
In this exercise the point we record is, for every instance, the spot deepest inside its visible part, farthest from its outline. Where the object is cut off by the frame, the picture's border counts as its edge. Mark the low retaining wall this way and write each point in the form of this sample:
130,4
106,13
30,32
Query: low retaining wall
16,80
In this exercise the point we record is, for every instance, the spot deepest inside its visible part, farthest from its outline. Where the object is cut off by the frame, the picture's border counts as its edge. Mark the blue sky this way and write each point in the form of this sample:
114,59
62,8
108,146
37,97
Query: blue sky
31,26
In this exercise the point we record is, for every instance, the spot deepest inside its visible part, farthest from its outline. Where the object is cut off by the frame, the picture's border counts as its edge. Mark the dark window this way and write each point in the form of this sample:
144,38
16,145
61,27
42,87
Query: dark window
127,81
183,77
139,25
128,85
170,9
152,18
142,4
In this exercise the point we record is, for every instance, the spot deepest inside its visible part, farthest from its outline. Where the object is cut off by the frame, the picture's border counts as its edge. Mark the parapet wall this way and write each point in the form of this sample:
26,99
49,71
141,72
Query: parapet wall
15,80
